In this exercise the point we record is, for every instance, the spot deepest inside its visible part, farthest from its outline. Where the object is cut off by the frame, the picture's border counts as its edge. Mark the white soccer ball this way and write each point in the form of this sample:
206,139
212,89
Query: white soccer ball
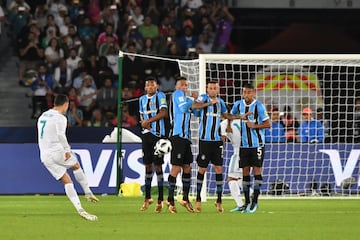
162,147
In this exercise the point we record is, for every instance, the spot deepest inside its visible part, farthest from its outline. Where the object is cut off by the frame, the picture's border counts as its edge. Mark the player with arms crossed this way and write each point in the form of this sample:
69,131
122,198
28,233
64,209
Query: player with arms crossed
180,137
57,157
153,110
212,108
252,143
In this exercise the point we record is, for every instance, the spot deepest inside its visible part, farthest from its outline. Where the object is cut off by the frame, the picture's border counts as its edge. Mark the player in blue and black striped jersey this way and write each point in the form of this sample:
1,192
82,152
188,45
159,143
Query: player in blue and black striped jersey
153,110
180,109
213,108
252,143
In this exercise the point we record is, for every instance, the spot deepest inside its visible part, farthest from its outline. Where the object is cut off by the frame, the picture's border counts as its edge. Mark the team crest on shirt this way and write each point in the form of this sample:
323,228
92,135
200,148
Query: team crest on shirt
181,99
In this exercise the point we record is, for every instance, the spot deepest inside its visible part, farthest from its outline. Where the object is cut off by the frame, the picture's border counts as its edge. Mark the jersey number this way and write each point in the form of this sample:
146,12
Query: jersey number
43,123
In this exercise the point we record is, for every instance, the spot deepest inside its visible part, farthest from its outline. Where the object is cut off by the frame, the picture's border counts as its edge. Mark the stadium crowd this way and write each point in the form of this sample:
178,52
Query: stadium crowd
71,47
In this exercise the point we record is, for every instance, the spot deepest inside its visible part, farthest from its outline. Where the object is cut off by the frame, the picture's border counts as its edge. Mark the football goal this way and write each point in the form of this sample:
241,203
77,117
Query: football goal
287,83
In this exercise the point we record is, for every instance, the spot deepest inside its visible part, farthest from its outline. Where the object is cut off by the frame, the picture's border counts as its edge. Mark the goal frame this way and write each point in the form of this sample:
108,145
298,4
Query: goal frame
352,60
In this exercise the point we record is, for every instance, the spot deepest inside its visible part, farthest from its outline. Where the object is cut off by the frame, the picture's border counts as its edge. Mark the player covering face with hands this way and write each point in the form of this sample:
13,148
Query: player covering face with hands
56,155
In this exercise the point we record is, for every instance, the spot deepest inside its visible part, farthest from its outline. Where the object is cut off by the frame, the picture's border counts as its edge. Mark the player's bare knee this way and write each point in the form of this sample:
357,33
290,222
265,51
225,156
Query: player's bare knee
76,166
232,179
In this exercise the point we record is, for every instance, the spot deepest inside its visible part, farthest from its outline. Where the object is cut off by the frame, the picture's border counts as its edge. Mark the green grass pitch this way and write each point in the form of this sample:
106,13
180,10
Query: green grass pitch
53,217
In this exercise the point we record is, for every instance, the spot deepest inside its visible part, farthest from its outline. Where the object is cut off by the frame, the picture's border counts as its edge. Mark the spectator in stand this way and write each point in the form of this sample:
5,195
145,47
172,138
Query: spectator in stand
153,12
150,49
77,71
275,134
98,119
79,80
64,29
18,18
165,27
62,77
136,15
60,16
94,11
78,45
14,5
126,94
171,38
53,54
103,71
107,97
127,119
148,29
167,81
49,34
109,46
30,55
43,92
87,97
73,60
73,96
204,44
87,32
311,130
133,68
290,123
192,4
223,21
54,7
110,15
102,38
132,36
50,23
68,41
74,115
75,9
188,40
40,15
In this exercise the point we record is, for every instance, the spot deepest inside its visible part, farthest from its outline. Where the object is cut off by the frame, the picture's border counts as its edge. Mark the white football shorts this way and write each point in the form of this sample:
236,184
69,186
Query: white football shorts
56,164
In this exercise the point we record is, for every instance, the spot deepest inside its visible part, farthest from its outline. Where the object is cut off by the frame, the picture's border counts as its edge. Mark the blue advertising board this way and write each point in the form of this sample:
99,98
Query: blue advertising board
298,165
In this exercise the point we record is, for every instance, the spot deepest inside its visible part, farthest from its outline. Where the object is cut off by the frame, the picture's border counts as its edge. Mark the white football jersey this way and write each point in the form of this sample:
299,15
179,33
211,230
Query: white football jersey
235,136
51,127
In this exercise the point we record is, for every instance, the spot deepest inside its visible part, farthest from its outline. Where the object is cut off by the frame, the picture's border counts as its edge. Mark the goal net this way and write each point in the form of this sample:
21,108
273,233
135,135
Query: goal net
327,84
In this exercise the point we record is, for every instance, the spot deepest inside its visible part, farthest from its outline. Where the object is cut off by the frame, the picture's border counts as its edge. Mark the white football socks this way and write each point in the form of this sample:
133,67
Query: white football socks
81,179
72,195
235,192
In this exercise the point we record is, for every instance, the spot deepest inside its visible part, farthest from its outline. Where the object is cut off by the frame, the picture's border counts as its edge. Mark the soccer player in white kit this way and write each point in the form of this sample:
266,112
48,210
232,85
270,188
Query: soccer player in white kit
234,171
57,157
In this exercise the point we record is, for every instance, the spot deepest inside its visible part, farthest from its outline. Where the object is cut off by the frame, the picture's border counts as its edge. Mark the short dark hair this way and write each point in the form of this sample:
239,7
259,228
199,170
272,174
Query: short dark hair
248,85
151,78
181,78
60,100
212,82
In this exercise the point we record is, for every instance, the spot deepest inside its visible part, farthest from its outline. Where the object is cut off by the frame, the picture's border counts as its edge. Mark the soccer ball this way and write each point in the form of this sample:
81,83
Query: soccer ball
162,147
